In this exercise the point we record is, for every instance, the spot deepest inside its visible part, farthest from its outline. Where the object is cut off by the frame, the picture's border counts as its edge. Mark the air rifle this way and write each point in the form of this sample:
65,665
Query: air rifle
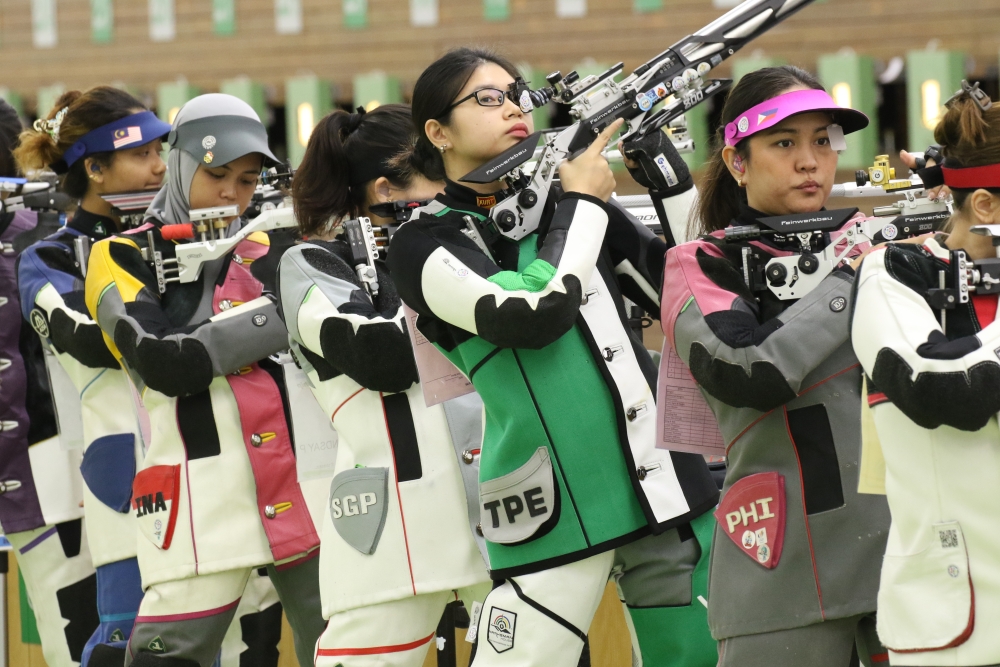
210,226
675,75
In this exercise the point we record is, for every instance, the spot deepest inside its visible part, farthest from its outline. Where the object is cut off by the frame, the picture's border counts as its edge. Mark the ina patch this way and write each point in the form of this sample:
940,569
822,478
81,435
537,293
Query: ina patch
117,636
500,633
156,645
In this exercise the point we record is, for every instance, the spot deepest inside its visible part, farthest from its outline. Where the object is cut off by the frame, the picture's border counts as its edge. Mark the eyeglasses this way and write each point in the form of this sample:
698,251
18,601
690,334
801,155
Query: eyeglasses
485,97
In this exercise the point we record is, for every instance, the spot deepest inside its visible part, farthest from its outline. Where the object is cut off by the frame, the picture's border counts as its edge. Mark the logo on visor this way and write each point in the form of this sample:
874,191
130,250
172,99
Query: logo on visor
127,135
208,143
767,115
743,125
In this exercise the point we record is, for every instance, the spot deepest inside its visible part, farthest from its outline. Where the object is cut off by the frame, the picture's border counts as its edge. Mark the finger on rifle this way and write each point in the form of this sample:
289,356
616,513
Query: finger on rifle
601,142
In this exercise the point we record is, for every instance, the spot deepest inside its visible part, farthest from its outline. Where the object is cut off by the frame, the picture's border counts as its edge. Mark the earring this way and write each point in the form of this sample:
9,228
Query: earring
740,181
443,148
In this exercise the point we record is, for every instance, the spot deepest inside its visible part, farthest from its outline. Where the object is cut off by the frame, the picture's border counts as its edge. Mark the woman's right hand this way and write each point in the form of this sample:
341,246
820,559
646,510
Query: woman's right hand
589,173
910,160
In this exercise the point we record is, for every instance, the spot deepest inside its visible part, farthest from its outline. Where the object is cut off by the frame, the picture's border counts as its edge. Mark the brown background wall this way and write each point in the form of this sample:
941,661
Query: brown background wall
610,32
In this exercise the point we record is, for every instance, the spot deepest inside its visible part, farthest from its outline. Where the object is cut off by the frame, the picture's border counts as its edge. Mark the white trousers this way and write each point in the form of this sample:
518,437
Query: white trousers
391,634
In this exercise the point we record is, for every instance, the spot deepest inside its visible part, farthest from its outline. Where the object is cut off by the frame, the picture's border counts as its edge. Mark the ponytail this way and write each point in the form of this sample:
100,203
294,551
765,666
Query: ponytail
321,186
347,151
969,137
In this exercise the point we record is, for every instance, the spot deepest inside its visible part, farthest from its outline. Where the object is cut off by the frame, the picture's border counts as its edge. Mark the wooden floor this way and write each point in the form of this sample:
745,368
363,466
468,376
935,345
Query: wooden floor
609,641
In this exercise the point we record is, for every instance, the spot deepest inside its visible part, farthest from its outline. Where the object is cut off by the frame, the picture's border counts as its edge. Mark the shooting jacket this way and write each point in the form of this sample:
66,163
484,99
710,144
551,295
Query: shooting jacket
411,534
934,397
218,487
39,480
785,388
568,468
52,301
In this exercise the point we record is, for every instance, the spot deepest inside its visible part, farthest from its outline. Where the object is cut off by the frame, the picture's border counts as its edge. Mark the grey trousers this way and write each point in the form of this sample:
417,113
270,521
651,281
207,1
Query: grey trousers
188,619
826,644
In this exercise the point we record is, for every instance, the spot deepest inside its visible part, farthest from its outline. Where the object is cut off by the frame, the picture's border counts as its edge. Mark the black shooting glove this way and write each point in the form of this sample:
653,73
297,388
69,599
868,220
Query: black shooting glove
661,168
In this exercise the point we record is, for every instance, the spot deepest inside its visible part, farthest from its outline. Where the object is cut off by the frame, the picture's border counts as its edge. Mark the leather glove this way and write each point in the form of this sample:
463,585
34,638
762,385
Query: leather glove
661,168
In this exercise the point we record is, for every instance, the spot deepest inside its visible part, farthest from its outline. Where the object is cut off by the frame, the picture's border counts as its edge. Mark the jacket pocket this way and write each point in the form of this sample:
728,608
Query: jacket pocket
926,600
108,468
521,504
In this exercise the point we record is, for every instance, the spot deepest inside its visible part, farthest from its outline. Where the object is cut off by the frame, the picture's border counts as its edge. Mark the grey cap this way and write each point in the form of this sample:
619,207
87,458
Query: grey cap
216,129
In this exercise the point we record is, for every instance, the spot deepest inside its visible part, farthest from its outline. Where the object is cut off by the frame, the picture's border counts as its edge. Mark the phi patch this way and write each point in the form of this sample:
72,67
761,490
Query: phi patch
514,507
359,505
155,494
500,633
752,515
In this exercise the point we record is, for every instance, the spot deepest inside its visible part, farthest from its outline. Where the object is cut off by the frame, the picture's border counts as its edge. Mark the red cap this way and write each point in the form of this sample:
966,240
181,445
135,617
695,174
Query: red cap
175,232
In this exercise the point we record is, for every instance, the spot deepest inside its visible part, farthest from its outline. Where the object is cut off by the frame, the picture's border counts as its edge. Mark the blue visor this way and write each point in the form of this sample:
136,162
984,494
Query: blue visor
128,132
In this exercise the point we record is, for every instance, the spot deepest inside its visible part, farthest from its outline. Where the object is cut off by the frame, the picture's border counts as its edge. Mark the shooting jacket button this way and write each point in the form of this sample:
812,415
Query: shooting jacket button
468,457
257,439
225,304
610,352
9,485
641,473
8,425
479,530
237,258
270,512
635,412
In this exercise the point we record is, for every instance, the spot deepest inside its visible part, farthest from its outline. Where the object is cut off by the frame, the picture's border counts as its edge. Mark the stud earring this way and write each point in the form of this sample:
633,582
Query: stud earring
443,147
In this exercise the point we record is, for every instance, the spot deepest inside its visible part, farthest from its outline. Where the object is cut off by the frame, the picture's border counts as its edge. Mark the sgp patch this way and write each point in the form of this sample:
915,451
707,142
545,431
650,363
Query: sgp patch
500,633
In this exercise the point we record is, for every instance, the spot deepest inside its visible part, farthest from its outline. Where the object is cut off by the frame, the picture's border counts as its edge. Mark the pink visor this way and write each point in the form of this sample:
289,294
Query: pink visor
773,111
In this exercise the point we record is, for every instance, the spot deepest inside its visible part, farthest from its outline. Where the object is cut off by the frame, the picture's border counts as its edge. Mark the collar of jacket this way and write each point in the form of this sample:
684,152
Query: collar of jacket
93,225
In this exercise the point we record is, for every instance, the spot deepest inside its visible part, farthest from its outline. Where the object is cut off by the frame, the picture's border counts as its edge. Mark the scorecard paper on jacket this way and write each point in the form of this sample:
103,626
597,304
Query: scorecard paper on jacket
684,421
440,379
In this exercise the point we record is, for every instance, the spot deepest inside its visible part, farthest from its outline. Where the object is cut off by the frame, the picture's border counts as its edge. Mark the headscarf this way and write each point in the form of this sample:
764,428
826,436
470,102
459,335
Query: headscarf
208,129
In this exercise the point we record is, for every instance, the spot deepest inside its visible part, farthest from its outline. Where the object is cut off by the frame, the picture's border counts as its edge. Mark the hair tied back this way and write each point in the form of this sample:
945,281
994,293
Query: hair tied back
973,92
354,122
51,126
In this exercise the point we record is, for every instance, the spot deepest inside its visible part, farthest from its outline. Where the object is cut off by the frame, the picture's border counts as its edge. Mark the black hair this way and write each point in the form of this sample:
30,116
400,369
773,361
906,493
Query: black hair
346,151
10,128
436,90
720,195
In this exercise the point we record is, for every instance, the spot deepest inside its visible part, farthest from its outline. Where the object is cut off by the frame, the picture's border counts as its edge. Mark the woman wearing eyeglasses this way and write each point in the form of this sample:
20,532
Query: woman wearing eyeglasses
572,489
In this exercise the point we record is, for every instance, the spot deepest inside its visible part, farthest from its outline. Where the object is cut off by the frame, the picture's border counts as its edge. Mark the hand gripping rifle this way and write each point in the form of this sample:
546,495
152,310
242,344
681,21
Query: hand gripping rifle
598,100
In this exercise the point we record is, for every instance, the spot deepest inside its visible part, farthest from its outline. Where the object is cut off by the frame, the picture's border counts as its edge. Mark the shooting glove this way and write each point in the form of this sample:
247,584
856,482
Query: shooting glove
661,168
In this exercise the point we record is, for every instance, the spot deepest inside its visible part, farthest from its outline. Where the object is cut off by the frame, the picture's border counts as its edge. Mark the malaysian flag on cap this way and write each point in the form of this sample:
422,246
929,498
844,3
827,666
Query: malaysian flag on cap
127,135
